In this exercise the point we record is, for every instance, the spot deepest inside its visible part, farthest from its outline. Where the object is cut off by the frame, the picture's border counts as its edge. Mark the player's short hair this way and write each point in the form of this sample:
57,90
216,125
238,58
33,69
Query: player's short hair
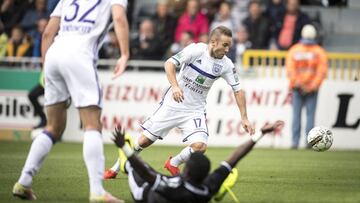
198,167
220,30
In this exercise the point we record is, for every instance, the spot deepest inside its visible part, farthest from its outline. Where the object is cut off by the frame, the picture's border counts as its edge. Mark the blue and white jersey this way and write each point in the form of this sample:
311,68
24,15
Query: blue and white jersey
84,24
198,73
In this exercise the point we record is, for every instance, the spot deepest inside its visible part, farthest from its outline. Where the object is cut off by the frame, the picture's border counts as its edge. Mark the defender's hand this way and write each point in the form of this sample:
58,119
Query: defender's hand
120,66
247,126
119,135
270,127
177,94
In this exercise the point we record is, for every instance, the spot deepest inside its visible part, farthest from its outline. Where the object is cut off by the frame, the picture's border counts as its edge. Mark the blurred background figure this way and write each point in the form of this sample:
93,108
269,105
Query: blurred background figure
258,26
34,95
12,11
31,17
204,38
192,20
110,48
223,17
242,44
19,44
239,11
306,65
186,39
37,36
146,45
165,26
288,26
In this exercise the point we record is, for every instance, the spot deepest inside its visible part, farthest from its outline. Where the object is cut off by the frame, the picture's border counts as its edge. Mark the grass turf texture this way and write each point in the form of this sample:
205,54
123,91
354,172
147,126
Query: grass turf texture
265,175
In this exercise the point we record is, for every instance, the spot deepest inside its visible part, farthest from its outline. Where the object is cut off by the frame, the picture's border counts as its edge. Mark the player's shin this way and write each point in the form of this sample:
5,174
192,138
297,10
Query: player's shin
40,148
94,160
182,157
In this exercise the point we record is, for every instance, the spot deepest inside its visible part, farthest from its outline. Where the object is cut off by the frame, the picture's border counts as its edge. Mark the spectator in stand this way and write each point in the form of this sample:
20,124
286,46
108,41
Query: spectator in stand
3,40
146,45
19,44
186,39
110,48
239,11
37,36
258,26
275,9
12,12
31,17
306,65
204,38
165,26
193,21
51,4
242,44
224,18
288,27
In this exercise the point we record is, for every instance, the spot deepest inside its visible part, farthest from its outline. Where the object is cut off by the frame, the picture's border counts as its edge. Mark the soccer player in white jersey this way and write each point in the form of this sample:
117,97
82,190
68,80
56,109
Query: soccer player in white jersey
69,51
183,105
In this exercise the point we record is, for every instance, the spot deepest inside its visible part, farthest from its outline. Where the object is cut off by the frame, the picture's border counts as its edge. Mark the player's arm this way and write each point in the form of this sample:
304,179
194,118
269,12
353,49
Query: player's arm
216,178
49,34
246,147
241,103
145,172
170,70
184,57
121,27
232,78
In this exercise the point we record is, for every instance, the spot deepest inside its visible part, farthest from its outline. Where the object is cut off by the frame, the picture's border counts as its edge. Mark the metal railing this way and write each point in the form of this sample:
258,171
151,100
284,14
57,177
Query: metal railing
343,66
35,63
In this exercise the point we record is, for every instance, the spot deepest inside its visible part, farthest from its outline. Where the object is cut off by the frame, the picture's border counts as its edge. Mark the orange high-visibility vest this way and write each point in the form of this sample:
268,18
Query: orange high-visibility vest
307,65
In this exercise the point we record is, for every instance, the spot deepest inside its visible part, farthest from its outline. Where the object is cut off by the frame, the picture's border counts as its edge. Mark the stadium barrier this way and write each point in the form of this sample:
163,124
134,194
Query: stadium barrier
135,95
342,66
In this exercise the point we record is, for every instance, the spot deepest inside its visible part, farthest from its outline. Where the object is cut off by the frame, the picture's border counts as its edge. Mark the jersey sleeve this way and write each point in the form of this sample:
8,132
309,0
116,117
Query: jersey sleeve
186,56
164,183
232,78
120,2
57,11
216,178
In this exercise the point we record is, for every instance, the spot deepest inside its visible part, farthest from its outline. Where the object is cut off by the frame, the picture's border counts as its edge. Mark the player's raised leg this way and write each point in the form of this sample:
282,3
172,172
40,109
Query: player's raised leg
138,145
40,148
173,163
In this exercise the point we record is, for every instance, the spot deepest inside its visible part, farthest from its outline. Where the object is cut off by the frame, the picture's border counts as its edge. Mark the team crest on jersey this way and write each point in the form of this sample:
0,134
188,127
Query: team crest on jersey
200,79
216,68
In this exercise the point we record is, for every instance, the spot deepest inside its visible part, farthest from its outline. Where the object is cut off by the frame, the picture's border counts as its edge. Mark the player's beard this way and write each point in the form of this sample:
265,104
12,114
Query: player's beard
216,55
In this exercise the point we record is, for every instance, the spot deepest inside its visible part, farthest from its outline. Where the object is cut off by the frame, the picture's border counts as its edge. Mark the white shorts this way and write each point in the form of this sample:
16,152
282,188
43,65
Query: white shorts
192,125
68,75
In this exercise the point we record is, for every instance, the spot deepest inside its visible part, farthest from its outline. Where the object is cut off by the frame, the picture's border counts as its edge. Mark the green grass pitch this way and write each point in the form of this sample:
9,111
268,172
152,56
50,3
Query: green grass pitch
266,175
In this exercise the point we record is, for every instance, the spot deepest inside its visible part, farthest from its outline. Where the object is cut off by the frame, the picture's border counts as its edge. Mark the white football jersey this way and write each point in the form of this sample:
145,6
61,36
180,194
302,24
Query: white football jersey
84,23
198,73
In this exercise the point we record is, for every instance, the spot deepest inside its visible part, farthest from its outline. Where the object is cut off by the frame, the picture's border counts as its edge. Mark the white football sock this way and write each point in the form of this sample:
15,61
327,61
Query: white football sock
116,166
182,157
40,148
257,136
93,152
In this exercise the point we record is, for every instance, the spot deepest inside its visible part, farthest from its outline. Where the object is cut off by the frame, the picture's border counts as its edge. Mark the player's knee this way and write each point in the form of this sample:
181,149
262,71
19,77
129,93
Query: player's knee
199,147
95,126
144,142
55,131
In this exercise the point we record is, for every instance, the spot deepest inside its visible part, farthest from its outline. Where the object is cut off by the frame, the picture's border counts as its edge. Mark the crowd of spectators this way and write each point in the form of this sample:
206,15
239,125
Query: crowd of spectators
256,24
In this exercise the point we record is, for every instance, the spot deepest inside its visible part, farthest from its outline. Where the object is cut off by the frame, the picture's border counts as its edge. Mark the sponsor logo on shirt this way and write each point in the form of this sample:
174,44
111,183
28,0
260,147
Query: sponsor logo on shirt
179,55
200,79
